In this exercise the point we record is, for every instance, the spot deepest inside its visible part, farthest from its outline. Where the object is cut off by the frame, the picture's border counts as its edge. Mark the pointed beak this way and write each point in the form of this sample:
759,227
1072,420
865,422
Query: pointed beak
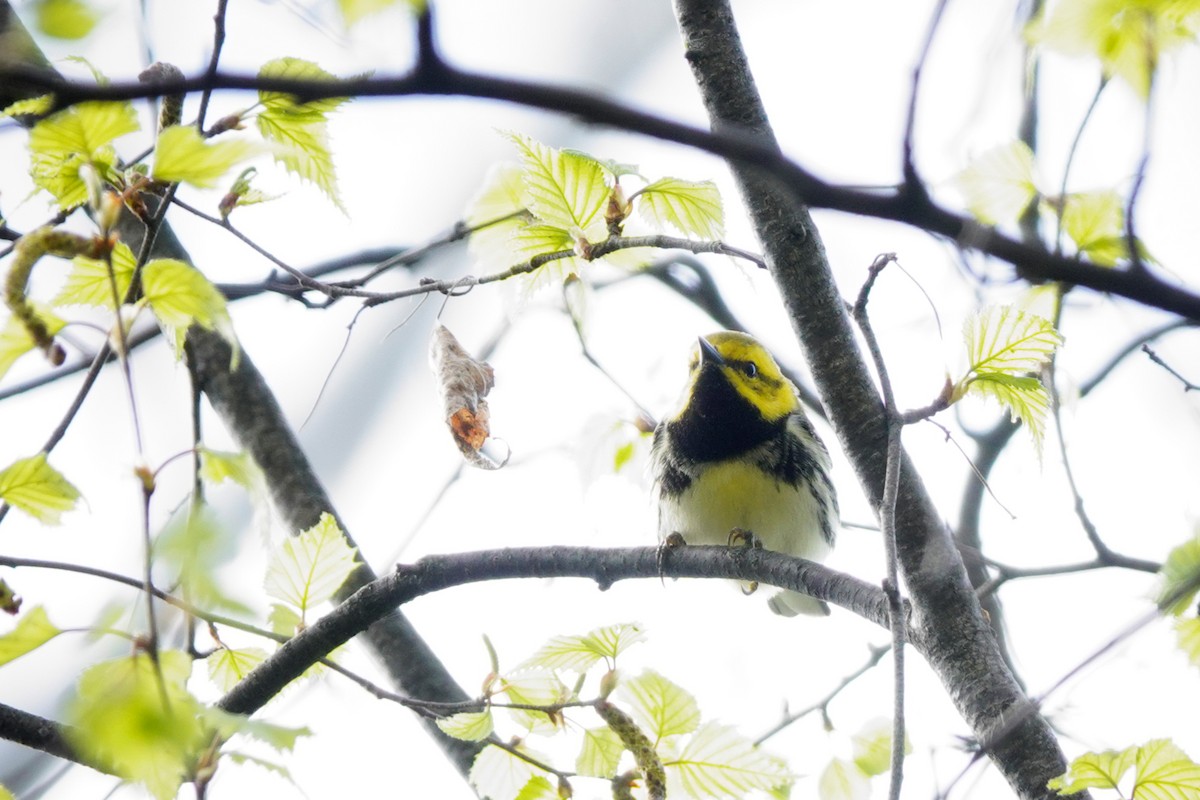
709,354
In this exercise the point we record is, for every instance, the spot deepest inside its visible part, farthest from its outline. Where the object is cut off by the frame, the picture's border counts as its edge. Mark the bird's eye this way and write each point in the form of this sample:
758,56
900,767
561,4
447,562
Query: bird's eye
749,368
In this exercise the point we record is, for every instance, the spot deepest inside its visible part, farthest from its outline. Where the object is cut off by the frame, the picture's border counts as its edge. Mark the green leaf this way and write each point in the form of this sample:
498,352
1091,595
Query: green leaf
503,197
32,105
192,548
182,155
281,738
500,775
1164,772
600,754
63,143
1005,340
539,788
579,653
566,190
284,620
659,706
719,762
33,630
88,282
308,569
1095,222
1188,631
15,340
872,747
691,207
1025,398
5,794
300,127
65,19
843,780
139,720
470,726
218,466
180,296
1127,36
999,184
227,667
1180,578
536,688
38,489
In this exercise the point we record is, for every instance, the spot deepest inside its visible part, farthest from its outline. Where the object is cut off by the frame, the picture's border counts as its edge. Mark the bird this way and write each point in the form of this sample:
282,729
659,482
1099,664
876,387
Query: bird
739,462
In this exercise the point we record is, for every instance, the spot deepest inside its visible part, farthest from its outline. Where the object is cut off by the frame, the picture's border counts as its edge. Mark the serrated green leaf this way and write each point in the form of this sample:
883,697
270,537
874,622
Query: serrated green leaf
64,142
600,754
218,466
1180,577
1095,222
843,780
1127,36
566,190
121,718
305,152
308,569
718,762
227,666
65,19
284,620
281,738
470,726
999,184
88,282
280,103
31,105
15,340
182,155
539,788
500,775
501,197
1164,772
1005,340
579,653
536,688
33,630
691,207
1024,397
180,296
659,706
38,489
1188,631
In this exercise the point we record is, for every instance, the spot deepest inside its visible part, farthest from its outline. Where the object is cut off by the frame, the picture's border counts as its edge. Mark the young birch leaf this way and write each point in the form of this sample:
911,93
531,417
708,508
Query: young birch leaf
719,762
182,155
192,548
1180,578
1095,222
1188,631
1024,397
38,489
88,283
1002,339
464,383
659,706
500,775
872,747
218,466
66,141
600,754
566,190
279,737
33,630
227,667
579,653
691,207
15,340
536,688
180,296
307,569
66,19
500,207
999,184
469,726
30,106
119,717
843,780
539,788
1164,772
1095,771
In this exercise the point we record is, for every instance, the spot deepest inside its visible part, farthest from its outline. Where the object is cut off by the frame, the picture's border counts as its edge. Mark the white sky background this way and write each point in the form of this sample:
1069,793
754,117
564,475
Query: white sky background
835,77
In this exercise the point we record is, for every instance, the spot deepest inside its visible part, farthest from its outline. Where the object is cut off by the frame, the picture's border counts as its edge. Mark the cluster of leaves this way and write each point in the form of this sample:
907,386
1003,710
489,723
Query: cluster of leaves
564,202
134,715
1160,770
650,734
1177,597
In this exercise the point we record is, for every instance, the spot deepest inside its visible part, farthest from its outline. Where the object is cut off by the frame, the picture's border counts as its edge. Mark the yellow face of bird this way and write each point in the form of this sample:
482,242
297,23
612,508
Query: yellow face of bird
750,370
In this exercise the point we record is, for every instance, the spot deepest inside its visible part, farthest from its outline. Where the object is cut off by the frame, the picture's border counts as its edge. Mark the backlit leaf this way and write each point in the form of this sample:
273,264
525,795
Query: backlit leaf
181,154
1024,397
999,184
719,762
1095,771
1188,631
38,489
65,19
1164,772
180,296
281,738
536,688
470,726
503,197
579,653
600,754
64,142
354,10
192,548
227,666
566,190
33,630
539,788
308,569
659,706
1180,577
218,466
500,775
15,340
1005,340
843,780
872,747
88,283
691,207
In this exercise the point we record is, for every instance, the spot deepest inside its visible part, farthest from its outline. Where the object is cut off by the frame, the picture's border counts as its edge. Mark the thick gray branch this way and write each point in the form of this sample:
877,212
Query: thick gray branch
949,627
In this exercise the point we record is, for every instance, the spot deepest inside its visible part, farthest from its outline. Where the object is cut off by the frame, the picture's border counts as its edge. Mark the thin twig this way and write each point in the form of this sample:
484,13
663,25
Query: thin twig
1187,385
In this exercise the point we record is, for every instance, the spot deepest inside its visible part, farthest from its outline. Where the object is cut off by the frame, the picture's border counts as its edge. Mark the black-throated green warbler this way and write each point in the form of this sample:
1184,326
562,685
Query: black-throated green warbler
739,458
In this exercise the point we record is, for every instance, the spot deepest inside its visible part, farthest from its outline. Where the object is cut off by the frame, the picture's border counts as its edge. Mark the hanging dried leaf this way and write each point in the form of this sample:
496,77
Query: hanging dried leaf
464,384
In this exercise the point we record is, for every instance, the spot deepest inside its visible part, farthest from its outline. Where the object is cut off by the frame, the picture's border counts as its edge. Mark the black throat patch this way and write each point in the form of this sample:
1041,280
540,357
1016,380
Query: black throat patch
718,423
